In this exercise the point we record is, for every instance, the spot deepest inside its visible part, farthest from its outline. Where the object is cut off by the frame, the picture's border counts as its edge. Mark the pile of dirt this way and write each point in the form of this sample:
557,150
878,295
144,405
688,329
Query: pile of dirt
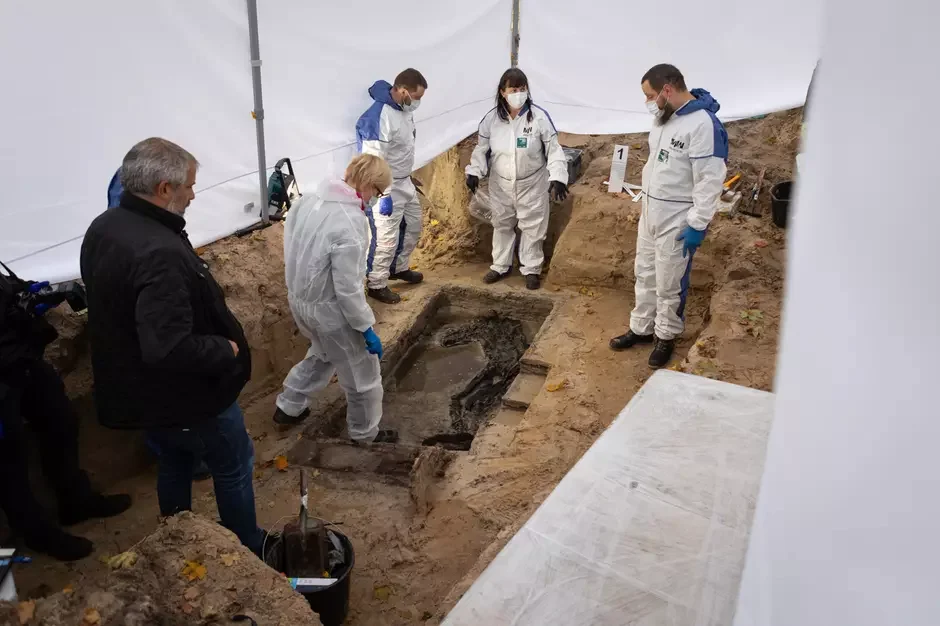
450,235
190,571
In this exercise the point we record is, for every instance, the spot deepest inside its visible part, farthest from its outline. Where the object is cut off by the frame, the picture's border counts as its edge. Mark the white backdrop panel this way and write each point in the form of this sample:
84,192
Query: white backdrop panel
321,58
585,66
91,79
845,530
103,74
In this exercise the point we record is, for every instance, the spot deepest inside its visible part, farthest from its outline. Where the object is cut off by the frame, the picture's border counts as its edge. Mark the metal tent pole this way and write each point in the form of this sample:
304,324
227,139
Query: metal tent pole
258,112
514,55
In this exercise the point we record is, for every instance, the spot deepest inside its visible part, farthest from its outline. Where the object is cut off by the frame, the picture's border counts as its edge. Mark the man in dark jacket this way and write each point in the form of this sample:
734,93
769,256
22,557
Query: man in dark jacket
32,393
168,356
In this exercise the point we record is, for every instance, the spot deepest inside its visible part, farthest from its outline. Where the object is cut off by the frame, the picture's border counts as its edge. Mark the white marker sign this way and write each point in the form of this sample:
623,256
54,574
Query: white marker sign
618,169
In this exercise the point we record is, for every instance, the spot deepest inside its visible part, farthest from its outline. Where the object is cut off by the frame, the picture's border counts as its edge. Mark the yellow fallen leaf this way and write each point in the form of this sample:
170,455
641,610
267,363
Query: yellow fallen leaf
91,617
557,386
435,222
382,593
229,559
122,560
68,590
280,462
26,610
194,570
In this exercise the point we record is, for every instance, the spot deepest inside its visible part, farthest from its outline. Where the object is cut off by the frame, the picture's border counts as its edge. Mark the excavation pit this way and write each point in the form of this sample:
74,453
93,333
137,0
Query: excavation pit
460,365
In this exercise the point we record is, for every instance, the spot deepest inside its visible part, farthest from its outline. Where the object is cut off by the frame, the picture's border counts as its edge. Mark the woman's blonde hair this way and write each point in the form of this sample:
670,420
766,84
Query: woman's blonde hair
368,169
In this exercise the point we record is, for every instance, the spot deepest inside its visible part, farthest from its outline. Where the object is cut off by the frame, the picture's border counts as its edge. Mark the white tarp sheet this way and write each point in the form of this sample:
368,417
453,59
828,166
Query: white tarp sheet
585,60
86,80
846,527
649,528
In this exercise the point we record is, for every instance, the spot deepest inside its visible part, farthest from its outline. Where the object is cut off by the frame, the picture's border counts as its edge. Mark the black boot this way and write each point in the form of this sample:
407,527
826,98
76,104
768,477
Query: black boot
661,353
93,506
284,419
385,295
532,281
493,276
58,544
409,276
387,435
629,340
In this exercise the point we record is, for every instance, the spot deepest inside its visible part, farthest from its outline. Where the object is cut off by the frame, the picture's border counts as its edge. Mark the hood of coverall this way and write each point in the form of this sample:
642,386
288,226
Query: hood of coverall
703,100
381,91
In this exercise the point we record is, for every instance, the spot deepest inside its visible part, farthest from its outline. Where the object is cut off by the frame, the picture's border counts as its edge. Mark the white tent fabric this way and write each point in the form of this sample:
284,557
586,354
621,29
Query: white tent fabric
649,528
845,530
585,61
95,77
90,79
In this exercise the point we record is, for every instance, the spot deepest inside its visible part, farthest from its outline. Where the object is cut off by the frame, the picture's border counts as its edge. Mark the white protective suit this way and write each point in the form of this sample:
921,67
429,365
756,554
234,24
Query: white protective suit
521,156
325,242
682,182
387,131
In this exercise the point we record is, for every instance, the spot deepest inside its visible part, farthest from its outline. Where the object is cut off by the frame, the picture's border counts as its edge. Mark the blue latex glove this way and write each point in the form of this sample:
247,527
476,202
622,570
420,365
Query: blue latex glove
373,344
691,239
385,206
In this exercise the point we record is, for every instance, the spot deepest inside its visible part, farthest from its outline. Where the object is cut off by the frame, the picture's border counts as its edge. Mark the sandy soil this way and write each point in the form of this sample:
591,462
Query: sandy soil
189,571
421,541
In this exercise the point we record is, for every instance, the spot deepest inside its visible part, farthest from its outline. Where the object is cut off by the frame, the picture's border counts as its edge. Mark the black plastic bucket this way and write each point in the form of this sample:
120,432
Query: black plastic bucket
780,202
330,603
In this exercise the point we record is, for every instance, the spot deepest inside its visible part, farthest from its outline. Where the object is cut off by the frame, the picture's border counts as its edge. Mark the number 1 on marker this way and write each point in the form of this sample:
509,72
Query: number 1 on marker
618,169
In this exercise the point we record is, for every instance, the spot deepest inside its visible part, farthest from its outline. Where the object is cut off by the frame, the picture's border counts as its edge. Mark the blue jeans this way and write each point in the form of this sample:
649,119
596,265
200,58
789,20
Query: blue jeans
227,449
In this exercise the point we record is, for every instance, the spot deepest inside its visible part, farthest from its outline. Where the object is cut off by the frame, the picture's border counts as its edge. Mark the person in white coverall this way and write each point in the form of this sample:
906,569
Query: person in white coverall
387,129
682,181
326,237
518,147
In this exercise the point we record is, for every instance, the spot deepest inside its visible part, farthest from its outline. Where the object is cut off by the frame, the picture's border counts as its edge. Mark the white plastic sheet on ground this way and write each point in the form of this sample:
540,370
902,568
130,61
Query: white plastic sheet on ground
649,528
585,60
86,80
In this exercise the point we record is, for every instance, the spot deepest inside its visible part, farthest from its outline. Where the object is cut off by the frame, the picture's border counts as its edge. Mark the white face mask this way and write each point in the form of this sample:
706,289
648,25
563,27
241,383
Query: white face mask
517,100
652,107
412,106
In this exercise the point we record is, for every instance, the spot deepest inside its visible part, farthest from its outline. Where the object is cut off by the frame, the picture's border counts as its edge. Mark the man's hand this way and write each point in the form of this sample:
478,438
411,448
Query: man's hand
234,347
691,239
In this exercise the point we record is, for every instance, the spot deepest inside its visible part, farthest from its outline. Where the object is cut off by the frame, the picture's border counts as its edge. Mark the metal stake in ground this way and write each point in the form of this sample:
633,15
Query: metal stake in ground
258,112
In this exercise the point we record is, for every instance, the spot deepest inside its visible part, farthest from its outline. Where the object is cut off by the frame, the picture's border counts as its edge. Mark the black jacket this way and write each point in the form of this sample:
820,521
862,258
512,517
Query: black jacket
23,335
158,325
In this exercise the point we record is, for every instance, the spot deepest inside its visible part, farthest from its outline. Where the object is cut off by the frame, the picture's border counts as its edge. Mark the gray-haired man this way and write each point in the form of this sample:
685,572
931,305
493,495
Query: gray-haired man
168,356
